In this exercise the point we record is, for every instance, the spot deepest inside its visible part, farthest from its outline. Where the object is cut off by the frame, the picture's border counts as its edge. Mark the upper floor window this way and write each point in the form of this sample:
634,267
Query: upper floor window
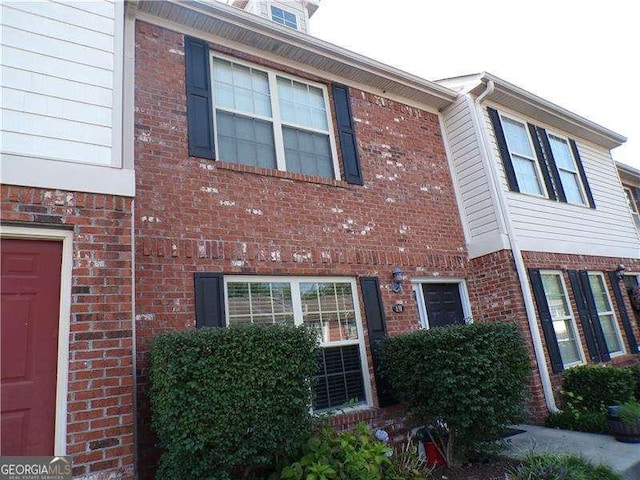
522,156
567,169
632,205
284,17
540,163
270,120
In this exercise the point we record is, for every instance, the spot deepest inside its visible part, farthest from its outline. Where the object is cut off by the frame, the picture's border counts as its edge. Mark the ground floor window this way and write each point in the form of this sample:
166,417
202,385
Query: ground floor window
562,318
330,306
442,303
606,315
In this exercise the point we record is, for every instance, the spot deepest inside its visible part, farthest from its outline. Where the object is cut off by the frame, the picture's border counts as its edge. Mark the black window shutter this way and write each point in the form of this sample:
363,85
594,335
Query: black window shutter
583,175
545,319
533,131
593,313
199,106
552,164
624,315
347,134
504,150
209,290
377,329
583,314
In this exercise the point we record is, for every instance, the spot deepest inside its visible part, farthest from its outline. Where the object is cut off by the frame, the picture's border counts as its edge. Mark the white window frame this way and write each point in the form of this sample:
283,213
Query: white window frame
276,118
576,172
571,317
536,165
632,205
416,285
294,282
609,312
286,10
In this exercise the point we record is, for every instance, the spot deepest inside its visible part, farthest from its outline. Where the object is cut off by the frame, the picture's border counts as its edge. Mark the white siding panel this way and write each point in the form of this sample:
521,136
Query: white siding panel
65,13
470,174
553,226
55,29
56,87
35,62
40,126
58,49
37,104
43,147
104,9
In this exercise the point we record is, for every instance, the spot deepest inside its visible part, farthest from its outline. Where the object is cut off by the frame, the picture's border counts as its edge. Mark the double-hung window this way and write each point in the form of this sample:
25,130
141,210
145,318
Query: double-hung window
633,206
269,120
328,305
606,315
522,156
567,169
283,17
562,318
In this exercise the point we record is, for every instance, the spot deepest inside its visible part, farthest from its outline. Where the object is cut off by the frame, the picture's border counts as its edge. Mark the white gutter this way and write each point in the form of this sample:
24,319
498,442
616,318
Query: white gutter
517,254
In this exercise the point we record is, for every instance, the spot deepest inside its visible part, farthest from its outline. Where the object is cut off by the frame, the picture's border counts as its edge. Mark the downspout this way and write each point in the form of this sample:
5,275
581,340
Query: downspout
517,255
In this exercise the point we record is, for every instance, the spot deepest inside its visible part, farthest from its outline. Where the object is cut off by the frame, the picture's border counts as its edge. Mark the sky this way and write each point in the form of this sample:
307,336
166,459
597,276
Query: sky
581,55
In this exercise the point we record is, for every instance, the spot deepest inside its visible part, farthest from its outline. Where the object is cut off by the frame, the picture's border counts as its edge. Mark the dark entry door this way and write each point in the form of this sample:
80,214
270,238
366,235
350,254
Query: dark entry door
443,303
633,290
30,311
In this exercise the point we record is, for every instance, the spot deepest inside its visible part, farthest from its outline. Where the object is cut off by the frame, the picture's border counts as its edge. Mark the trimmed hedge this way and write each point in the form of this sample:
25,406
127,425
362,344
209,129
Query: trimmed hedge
472,378
227,402
592,388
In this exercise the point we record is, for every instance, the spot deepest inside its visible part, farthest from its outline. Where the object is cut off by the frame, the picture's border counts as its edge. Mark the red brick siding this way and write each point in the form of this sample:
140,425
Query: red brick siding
100,418
198,215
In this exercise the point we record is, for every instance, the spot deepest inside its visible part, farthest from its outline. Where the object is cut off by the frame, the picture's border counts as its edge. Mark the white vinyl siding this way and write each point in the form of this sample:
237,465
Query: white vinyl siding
58,80
606,316
562,316
550,226
476,201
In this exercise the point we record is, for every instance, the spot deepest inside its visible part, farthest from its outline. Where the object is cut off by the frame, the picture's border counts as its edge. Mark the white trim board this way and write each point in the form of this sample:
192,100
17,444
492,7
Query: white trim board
66,237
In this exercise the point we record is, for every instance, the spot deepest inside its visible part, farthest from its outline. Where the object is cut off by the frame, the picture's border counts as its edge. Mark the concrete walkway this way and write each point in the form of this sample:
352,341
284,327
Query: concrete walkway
604,449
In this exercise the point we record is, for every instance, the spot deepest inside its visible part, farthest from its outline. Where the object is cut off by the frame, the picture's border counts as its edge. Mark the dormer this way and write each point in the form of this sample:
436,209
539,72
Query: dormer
290,13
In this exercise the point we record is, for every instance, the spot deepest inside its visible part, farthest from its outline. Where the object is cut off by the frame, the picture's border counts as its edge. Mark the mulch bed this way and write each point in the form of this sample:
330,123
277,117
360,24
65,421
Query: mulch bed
494,470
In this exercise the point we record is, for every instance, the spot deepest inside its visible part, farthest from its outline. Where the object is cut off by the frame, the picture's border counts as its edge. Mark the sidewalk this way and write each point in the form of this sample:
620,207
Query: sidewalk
604,449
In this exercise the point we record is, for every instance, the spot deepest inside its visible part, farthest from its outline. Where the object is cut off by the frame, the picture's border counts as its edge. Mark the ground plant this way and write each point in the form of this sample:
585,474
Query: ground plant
560,467
230,402
466,383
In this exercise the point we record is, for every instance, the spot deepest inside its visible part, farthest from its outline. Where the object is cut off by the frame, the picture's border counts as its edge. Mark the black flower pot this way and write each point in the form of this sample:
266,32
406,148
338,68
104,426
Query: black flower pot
623,432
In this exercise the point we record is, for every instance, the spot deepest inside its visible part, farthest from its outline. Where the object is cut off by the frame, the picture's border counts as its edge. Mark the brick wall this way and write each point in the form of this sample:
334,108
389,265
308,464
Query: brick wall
199,215
495,294
100,419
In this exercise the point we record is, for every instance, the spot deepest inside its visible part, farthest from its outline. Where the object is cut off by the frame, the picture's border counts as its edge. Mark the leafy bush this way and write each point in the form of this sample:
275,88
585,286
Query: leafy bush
572,419
560,467
592,388
226,402
630,413
467,382
353,454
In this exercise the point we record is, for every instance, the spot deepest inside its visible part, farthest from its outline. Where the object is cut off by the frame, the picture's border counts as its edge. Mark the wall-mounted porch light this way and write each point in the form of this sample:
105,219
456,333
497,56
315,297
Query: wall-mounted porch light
620,271
398,278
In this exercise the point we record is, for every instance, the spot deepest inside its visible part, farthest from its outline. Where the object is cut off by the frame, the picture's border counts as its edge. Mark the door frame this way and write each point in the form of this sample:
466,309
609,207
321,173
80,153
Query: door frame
66,237
416,286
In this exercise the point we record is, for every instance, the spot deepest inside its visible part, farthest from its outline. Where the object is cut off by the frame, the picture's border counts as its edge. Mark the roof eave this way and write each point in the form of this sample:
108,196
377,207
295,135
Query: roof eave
253,31
552,114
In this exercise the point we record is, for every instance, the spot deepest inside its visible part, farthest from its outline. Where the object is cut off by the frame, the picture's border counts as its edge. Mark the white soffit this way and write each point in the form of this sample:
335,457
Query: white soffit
253,31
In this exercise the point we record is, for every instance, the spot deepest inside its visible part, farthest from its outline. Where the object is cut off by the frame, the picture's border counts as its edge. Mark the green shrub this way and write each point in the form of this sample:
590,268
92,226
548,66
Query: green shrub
349,454
592,388
629,413
467,381
560,467
226,402
571,419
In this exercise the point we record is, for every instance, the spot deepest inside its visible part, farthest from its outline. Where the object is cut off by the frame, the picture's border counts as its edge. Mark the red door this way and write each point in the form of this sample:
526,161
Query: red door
30,310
